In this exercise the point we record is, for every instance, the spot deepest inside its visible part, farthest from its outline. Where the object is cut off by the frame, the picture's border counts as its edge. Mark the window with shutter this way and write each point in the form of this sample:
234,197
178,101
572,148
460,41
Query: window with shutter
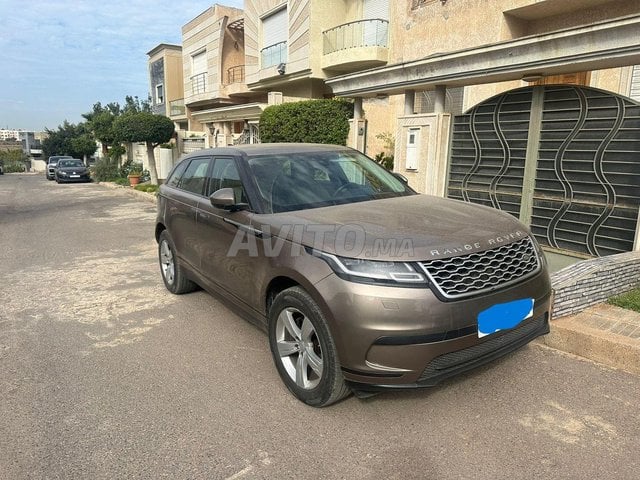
375,32
275,32
199,72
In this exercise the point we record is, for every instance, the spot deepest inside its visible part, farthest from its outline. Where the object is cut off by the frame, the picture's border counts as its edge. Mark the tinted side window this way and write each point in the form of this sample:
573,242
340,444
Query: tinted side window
174,179
193,178
225,175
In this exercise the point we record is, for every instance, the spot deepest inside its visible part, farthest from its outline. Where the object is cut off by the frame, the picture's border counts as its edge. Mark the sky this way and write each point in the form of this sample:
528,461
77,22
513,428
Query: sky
59,57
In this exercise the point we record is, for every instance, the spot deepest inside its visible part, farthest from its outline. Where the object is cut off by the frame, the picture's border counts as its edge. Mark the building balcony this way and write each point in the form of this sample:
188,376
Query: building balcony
199,83
177,108
235,74
273,55
235,81
356,45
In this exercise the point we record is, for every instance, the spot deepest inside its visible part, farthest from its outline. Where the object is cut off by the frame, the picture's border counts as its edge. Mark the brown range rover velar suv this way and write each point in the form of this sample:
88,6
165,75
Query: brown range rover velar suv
361,283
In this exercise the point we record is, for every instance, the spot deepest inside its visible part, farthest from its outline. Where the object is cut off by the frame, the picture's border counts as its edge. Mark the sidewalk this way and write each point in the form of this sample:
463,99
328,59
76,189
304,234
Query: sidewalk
603,333
132,192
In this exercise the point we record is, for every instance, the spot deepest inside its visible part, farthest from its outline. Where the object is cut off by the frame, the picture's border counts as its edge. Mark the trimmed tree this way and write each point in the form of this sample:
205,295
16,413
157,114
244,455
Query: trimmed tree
313,121
100,120
84,145
148,128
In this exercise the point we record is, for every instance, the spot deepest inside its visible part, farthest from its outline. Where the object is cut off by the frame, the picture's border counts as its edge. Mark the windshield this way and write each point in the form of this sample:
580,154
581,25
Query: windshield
69,163
55,159
297,181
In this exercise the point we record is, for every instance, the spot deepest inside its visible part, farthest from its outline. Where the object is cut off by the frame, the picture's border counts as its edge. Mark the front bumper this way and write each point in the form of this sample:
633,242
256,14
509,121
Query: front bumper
70,179
457,361
390,337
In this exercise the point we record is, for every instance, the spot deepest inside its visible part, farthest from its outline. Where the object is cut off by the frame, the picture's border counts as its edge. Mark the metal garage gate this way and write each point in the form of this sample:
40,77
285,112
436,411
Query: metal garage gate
563,159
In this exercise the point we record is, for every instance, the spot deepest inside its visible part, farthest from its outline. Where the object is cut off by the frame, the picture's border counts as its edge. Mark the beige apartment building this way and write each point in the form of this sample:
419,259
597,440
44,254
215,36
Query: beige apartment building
524,105
166,82
216,94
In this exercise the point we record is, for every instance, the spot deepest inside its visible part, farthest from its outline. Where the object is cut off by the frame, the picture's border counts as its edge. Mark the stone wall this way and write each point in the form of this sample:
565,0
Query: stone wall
589,282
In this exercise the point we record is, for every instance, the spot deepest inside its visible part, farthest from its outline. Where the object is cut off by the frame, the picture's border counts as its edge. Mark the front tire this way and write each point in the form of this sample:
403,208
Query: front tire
172,273
303,350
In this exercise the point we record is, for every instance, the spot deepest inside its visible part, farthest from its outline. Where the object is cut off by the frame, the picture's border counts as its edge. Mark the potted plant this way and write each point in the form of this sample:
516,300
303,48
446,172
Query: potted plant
134,177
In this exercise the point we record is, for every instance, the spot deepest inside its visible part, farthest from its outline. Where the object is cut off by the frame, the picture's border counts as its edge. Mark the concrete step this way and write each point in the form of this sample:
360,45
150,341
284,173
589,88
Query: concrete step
603,333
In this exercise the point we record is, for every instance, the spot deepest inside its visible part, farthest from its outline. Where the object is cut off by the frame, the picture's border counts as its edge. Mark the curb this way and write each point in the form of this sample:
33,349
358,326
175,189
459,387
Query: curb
144,196
603,333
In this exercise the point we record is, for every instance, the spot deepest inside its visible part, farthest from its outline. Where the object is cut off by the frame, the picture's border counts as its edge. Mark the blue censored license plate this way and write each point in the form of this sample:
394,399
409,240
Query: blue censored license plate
504,316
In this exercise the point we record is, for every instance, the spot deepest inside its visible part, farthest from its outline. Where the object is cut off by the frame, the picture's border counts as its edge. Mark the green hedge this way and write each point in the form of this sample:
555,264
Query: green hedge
312,121
105,171
14,167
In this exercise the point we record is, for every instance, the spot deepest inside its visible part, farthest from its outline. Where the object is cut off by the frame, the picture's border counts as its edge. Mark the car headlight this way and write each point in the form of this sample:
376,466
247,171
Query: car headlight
64,174
374,271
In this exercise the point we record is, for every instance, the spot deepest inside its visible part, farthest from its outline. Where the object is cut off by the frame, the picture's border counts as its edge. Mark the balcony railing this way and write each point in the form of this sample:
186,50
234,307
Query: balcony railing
199,83
235,74
362,33
274,54
176,108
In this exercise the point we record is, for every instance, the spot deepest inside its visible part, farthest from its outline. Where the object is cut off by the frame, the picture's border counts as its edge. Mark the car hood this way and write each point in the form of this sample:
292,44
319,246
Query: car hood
416,227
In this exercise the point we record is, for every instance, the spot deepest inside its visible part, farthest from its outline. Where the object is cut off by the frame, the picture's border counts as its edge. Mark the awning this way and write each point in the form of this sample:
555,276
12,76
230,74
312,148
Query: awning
609,44
233,113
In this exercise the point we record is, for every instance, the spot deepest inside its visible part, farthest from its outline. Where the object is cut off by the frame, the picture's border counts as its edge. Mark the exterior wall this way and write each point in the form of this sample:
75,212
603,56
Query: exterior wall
156,74
232,54
433,144
381,114
434,28
589,282
300,53
582,13
165,67
303,43
206,32
174,82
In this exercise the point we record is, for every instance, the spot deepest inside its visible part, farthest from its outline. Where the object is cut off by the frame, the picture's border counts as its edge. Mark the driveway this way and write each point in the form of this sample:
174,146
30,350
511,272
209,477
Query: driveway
104,374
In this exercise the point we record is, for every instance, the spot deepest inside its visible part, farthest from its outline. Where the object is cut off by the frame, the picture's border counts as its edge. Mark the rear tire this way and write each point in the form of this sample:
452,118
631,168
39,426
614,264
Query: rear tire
303,350
170,269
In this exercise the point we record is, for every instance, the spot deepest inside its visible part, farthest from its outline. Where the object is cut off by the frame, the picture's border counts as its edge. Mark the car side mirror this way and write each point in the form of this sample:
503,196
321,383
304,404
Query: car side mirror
225,198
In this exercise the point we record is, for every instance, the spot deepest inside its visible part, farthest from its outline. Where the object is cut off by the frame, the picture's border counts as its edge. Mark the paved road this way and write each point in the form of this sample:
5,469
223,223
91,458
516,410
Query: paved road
103,374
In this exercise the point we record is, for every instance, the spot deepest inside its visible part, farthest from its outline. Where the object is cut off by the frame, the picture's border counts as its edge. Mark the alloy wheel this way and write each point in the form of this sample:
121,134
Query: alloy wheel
167,263
299,348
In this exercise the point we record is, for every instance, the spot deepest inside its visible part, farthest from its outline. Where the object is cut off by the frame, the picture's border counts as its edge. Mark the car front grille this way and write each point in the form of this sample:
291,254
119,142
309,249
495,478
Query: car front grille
480,272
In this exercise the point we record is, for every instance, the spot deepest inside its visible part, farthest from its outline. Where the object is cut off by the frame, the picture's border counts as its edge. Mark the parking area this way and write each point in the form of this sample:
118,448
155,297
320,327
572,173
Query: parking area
104,374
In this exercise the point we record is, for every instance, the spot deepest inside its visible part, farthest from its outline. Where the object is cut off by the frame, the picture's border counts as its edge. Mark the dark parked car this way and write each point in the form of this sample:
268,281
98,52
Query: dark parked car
52,162
361,283
71,170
